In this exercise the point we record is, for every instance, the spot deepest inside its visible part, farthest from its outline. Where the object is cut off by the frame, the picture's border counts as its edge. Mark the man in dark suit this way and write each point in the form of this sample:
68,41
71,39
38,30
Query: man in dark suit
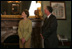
49,29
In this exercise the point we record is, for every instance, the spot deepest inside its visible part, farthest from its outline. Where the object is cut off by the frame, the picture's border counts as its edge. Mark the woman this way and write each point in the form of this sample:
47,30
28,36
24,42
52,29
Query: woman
25,30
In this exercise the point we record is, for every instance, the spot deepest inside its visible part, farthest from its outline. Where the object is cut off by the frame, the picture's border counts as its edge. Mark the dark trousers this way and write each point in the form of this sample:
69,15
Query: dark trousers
49,44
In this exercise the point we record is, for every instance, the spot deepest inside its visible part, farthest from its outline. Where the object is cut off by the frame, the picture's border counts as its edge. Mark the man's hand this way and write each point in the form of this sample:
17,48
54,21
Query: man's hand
41,36
23,40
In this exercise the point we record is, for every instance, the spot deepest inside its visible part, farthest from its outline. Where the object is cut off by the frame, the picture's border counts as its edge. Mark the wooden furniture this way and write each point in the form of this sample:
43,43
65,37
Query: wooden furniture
65,43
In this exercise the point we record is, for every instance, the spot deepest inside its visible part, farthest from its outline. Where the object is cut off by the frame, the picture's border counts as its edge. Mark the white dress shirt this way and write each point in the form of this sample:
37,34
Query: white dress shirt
48,15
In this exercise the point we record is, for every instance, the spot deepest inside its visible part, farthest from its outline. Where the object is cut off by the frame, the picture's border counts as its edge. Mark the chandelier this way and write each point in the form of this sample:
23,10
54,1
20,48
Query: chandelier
13,1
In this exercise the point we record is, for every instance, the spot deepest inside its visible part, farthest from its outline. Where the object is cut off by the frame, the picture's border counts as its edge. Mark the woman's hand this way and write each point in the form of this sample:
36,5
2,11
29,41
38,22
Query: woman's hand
23,40
41,36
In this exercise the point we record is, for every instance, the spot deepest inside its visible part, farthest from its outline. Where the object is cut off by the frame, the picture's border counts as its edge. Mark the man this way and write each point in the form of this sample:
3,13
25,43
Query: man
49,29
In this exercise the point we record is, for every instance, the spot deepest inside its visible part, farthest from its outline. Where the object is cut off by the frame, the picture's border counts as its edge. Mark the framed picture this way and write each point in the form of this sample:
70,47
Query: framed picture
58,9
15,9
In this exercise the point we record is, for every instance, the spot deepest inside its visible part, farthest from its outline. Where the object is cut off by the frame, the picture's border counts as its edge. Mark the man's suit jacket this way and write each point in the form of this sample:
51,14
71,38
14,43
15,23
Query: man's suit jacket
49,29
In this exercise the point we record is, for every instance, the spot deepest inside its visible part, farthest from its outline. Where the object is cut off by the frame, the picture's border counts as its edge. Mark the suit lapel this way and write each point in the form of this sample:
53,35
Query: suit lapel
47,21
